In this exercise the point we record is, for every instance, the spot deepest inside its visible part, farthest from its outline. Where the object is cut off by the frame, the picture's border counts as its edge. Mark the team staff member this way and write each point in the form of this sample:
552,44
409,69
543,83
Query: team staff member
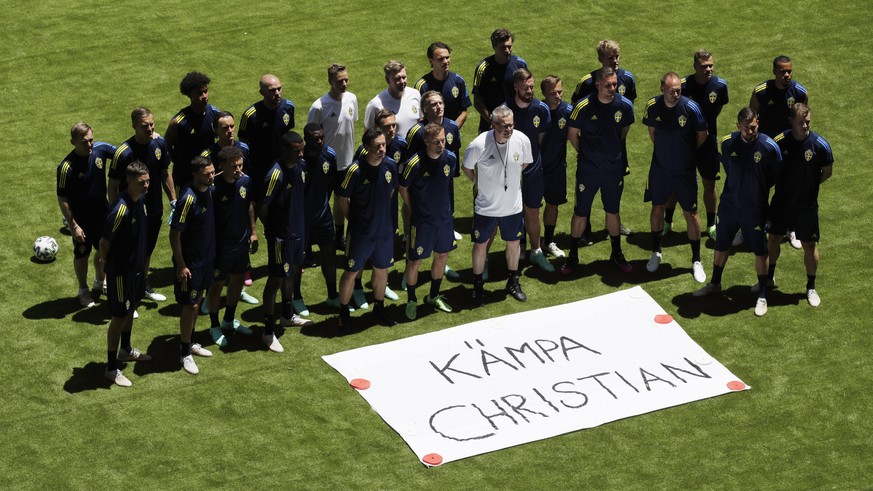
451,85
122,255
554,155
152,151
192,239
281,211
191,130
677,129
599,125
492,82
81,191
711,94
494,162
807,162
234,222
402,100
262,126
752,163
424,186
365,194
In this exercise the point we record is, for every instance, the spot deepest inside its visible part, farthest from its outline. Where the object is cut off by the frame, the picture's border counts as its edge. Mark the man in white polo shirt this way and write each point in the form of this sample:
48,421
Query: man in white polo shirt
404,101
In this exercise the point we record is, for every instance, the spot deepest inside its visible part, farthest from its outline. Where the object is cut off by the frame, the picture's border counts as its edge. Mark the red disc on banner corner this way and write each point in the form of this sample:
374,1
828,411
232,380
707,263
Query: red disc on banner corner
360,383
432,459
663,318
736,385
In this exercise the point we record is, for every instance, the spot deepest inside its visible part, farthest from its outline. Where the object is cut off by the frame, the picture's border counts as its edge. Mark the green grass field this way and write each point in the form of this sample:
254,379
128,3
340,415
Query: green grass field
253,419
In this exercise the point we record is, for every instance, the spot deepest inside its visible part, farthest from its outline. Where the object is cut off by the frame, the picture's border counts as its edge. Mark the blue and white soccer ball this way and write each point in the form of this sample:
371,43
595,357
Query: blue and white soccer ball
45,248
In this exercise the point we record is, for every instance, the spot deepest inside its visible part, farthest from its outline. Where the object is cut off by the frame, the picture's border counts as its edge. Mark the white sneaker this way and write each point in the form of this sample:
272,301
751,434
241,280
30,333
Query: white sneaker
188,364
390,295
133,355
85,298
273,343
135,314
295,321
738,239
154,296
198,350
813,298
792,239
761,307
698,272
654,262
554,250
707,289
770,284
458,236
117,378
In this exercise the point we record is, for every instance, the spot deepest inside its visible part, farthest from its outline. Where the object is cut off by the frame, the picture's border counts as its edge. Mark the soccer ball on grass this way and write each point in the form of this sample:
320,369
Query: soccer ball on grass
45,249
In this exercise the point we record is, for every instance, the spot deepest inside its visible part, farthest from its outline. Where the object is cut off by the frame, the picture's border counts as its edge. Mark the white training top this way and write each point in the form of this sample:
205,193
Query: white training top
407,109
498,172
337,118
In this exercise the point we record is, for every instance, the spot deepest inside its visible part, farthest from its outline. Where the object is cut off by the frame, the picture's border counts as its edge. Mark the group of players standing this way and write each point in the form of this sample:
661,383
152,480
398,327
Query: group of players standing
518,160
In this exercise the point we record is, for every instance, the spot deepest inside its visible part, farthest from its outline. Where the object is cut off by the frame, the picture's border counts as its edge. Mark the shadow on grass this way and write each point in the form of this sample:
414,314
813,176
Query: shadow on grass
53,309
737,298
89,377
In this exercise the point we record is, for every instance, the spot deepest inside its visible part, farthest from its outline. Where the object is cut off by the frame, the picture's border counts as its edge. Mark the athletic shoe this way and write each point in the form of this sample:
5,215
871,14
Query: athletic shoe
132,355
668,226
485,275
246,298
390,295
117,378
771,283
218,336
85,298
478,296
385,318
711,232
813,298
738,239
554,250
248,280
654,262
204,306
792,239
154,296
411,310
135,314
585,241
439,303
300,307
295,321
235,326
698,272
539,259
360,299
188,365
458,236
515,291
621,263
449,272
198,350
624,230
761,307
569,267
273,343
707,289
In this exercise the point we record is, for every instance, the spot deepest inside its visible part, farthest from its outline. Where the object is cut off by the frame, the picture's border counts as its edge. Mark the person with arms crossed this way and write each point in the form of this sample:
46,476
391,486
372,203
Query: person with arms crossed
677,129
494,162
492,79
81,191
752,163
451,85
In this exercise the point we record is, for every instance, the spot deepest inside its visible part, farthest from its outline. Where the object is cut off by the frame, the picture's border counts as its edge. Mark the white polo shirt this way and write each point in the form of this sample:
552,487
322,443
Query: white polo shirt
337,118
498,172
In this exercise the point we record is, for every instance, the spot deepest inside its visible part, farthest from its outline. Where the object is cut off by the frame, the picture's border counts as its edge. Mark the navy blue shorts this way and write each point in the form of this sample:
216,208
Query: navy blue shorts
532,187
588,183
803,222
707,161
124,293
555,185
511,227
195,288
427,239
321,233
663,185
727,224
378,250
281,255
230,264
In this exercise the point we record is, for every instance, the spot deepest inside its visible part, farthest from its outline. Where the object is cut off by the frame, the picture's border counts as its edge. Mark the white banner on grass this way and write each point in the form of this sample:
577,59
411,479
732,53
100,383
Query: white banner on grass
523,377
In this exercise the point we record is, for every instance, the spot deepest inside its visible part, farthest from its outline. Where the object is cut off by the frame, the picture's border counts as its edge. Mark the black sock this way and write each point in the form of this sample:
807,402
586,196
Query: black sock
695,250
762,286
125,341
716,274
513,276
410,292
478,281
710,219
344,311
435,287
111,360
213,319
574,248
668,214
549,234
656,241
379,305
358,284
287,310
771,271
229,313
615,241
185,349
587,232
331,290
268,324
810,282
